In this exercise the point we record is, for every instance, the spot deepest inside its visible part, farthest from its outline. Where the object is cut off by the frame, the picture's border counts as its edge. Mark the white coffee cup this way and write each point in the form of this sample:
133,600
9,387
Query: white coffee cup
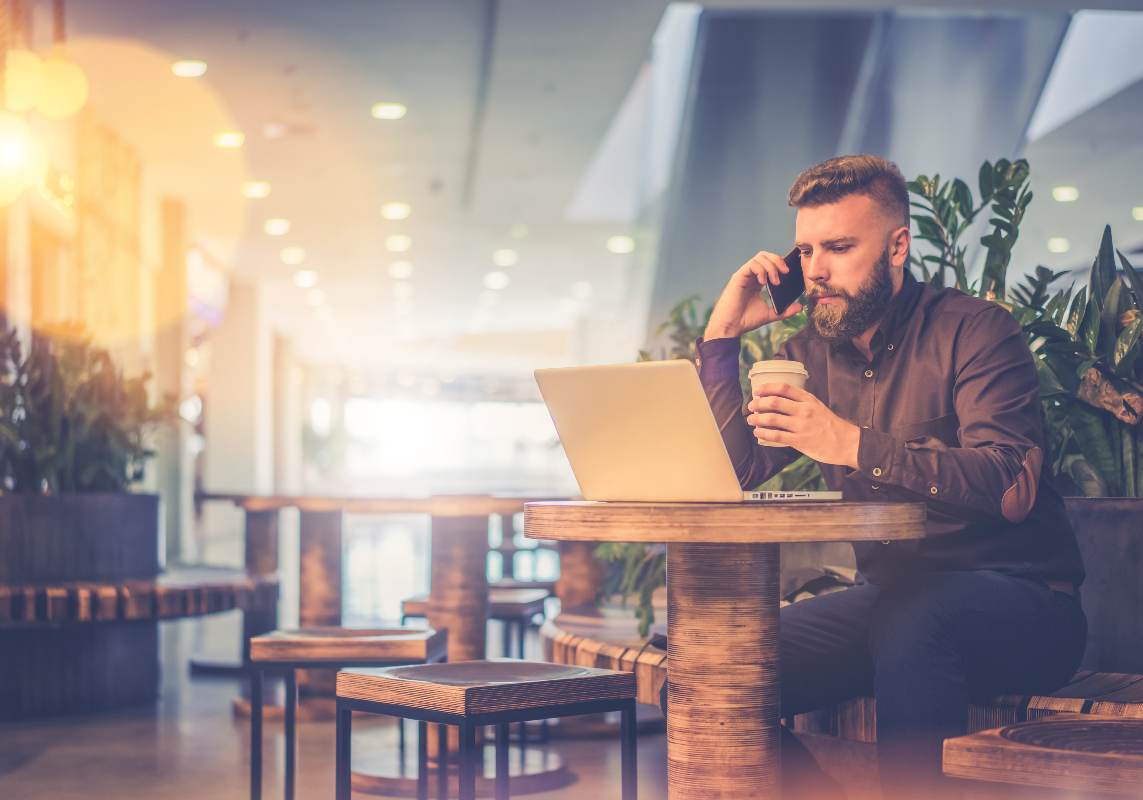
777,370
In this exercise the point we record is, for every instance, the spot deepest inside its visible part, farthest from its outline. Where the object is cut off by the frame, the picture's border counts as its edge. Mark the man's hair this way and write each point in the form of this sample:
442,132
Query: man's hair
874,177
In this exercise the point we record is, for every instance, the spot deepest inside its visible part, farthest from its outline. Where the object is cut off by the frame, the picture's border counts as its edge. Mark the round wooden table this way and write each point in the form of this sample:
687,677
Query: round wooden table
722,597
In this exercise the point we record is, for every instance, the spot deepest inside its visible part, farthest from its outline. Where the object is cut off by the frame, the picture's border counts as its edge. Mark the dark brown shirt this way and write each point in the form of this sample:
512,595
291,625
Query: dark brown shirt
949,410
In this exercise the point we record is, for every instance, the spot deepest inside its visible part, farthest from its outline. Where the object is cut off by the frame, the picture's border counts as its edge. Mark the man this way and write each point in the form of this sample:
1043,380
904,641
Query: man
913,394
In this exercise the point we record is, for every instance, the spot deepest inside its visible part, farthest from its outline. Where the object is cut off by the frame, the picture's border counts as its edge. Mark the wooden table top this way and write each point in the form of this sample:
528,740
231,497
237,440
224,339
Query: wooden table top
442,505
728,523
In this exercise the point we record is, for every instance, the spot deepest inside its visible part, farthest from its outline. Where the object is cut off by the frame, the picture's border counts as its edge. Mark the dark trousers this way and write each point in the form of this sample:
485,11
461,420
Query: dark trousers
923,648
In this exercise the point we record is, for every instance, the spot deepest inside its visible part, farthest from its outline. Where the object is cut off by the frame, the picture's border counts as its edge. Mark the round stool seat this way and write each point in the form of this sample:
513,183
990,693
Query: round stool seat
347,645
484,687
1080,752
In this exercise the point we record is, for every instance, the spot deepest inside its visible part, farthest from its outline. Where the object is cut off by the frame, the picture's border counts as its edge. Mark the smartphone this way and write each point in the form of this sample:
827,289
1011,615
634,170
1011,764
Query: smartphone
792,285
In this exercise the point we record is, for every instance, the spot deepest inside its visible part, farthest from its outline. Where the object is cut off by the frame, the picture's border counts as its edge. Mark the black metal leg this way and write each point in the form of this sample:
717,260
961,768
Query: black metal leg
521,632
422,759
630,776
467,762
344,751
442,762
291,730
505,638
255,734
400,746
502,761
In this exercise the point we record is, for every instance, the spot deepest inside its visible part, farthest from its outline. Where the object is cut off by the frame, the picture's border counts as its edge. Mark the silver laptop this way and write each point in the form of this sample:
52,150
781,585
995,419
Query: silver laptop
645,432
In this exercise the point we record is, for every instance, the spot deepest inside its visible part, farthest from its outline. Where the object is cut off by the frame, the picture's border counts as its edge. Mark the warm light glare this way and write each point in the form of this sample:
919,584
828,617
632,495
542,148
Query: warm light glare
23,77
293,256
23,160
505,258
621,245
305,279
388,110
276,227
496,281
229,140
1065,194
398,243
400,270
256,190
63,88
1058,244
189,68
396,210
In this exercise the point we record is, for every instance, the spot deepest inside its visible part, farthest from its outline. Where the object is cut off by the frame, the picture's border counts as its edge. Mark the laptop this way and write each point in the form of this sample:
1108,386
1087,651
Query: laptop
645,433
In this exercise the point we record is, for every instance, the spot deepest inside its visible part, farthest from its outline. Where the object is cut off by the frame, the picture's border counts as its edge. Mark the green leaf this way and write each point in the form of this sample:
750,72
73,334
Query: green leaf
1078,312
985,180
963,197
1127,347
1133,279
1102,269
1094,444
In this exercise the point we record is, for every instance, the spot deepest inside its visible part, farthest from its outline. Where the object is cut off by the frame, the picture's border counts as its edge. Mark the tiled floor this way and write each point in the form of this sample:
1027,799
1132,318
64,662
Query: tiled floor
190,746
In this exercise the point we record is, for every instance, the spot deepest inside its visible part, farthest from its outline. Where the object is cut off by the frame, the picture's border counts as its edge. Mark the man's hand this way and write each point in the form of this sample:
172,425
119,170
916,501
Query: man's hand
741,307
790,416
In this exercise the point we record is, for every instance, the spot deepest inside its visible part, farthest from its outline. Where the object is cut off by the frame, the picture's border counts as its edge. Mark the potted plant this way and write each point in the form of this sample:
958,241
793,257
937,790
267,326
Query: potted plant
72,442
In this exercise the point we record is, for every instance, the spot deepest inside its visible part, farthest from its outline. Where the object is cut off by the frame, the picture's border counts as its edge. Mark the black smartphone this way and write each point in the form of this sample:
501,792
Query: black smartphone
792,285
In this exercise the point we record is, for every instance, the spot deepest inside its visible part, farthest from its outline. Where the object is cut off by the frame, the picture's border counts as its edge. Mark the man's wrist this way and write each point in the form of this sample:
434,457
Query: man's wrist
720,332
852,446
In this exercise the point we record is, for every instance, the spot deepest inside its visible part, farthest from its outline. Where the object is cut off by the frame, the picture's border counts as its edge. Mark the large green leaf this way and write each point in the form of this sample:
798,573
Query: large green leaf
1133,279
1127,348
1102,268
1094,444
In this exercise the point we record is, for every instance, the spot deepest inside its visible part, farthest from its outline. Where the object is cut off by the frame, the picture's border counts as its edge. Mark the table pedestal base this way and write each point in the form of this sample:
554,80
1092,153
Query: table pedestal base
722,723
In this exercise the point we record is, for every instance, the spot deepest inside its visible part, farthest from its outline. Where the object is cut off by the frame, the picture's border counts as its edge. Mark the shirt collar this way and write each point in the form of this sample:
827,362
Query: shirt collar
896,317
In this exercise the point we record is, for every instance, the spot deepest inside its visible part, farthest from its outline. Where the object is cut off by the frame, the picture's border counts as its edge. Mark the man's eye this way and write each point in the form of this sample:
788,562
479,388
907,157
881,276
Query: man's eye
840,248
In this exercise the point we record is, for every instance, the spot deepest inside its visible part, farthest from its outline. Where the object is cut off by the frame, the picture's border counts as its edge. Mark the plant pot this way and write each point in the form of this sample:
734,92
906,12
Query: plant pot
1109,531
79,537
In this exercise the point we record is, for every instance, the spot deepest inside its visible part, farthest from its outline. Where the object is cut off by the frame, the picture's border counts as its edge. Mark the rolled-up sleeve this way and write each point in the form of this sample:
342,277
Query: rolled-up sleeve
718,372
996,468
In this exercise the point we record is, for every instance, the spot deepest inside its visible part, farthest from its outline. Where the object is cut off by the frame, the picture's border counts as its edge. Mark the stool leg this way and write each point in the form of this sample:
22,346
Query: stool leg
400,745
422,759
344,751
442,762
521,628
467,765
506,638
502,761
630,776
291,730
255,733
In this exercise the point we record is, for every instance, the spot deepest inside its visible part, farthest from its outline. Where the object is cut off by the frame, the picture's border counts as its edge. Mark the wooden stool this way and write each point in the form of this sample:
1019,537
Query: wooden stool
288,651
1085,753
516,608
470,694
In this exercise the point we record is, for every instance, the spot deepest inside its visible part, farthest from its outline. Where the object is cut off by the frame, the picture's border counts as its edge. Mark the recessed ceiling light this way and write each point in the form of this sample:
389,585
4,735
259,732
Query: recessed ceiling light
189,68
315,297
229,140
293,256
1058,244
256,190
496,281
400,270
1065,194
395,210
505,257
1137,213
621,245
388,110
518,231
581,290
276,226
403,291
398,243
305,279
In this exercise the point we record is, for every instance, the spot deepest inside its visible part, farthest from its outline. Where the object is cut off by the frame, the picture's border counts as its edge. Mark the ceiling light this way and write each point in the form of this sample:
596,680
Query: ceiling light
305,279
189,68
400,270
293,256
276,226
398,243
496,281
1058,244
621,245
403,292
1137,213
1065,194
388,110
229,140
581,290
505,257
518,231
256,190
315,297
395,210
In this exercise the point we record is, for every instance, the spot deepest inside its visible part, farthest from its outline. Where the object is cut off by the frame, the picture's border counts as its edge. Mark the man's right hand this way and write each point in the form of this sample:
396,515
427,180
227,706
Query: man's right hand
742,308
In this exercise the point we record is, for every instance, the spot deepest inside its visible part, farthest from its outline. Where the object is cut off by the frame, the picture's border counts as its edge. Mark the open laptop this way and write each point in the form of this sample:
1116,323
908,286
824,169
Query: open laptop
645,432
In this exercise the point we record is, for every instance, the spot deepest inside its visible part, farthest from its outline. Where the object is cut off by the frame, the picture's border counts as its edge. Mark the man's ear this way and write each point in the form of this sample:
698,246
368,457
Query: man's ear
899,241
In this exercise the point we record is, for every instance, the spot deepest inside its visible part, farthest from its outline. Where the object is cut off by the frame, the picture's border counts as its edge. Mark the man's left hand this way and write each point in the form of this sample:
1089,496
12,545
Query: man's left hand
786,415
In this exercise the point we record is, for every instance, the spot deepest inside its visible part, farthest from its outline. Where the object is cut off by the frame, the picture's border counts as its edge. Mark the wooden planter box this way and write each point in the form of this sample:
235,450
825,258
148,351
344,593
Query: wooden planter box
79,537
1110,535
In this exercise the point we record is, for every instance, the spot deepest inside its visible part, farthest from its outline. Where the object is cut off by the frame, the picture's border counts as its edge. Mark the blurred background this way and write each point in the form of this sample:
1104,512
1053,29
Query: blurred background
341,235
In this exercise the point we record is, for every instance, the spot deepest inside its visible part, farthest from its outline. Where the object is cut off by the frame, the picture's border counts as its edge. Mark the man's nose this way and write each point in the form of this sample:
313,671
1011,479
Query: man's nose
813,269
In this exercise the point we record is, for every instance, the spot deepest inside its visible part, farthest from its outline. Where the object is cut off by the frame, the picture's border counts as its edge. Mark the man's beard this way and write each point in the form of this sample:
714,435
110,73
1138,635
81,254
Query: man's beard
836,322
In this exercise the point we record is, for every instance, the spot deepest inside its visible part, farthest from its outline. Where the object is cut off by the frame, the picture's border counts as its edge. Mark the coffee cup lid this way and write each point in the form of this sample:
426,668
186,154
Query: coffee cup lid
778,365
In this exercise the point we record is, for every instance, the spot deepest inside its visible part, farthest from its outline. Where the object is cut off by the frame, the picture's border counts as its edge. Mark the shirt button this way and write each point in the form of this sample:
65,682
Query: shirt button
932,490
890,347
869,373
875,486
884,541
877,472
